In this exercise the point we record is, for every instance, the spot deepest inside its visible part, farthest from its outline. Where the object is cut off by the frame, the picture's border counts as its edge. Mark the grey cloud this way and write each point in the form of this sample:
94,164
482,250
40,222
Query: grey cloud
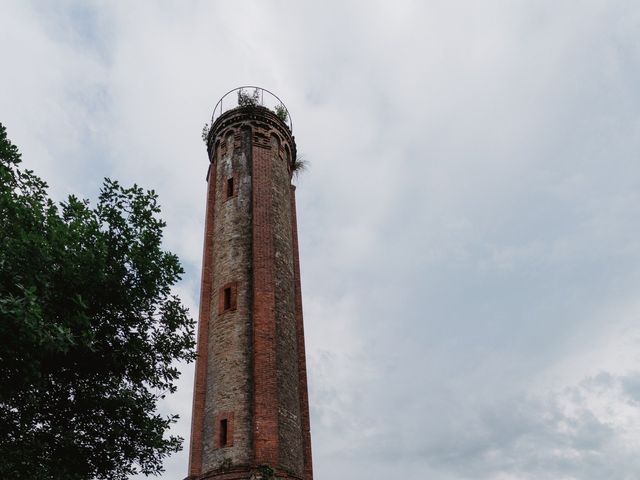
558,436
468,227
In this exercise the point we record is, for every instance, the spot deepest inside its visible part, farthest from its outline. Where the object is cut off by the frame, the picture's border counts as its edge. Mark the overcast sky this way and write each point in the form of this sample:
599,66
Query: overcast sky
469,226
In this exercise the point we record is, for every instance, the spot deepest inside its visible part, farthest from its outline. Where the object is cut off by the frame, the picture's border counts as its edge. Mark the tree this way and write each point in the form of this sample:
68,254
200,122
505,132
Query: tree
89,330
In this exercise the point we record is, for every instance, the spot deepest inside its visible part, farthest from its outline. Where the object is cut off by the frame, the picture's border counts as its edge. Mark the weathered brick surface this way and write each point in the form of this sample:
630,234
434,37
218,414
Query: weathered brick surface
251,367
264,320
199,389
289,431
229,360
302,360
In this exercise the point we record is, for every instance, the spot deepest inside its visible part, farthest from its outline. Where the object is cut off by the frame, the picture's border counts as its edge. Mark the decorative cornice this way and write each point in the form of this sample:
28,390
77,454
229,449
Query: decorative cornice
249,114
241,473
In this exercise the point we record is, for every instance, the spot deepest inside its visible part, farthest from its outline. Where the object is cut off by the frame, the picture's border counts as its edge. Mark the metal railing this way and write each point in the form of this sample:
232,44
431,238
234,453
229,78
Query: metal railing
250,95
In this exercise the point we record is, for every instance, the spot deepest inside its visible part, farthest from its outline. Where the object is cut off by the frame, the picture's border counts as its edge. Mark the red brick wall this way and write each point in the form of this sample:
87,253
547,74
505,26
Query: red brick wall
195,449
290,453
251,366
302,361
265,433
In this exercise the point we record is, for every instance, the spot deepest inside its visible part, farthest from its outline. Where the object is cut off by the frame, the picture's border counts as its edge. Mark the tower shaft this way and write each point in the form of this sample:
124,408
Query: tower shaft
250,406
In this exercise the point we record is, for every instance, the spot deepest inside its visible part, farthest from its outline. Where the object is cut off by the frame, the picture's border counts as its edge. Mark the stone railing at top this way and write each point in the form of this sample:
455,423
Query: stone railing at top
249,95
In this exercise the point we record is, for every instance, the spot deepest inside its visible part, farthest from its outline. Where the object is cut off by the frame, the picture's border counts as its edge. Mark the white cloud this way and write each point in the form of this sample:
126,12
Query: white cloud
468,226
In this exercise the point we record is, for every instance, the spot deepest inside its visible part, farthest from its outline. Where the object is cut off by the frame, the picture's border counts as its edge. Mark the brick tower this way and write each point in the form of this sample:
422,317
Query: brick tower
250,405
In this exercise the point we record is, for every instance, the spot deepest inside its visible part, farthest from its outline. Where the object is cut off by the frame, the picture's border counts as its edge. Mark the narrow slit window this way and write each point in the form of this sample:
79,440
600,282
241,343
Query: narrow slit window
223,432
227,299
230,187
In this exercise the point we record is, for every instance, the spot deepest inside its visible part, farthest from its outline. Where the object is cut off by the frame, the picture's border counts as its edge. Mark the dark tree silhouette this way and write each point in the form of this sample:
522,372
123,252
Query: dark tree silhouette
89,330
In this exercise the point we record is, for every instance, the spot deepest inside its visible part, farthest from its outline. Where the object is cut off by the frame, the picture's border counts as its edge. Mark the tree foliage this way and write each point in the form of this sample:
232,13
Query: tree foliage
89,330
281,112
248,99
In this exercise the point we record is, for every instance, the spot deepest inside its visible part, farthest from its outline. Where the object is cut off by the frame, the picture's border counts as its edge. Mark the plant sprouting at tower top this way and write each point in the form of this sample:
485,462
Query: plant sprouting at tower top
254,99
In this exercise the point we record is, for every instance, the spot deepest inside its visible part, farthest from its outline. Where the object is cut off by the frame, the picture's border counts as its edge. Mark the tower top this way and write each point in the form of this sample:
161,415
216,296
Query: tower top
252,96
250,103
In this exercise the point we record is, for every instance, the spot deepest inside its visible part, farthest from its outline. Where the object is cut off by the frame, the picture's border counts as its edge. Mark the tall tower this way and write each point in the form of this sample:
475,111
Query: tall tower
250,405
